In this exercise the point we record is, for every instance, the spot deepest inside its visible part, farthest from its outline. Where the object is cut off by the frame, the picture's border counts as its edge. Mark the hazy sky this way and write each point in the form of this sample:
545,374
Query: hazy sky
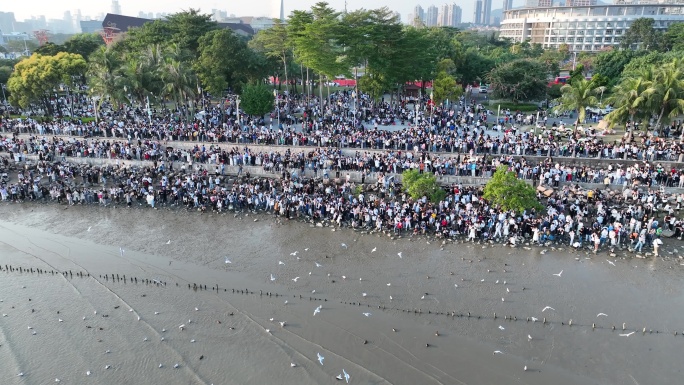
53,9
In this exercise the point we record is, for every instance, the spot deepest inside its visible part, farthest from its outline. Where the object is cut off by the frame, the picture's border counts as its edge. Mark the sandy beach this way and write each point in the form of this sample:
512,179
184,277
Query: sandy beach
416,330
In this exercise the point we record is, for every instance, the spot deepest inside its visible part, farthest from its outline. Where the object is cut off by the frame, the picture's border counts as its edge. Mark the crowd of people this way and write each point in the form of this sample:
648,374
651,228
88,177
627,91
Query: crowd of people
596,218
459,140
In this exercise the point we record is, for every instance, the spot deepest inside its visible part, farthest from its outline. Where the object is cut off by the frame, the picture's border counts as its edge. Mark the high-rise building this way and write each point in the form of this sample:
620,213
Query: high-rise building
449,15
431,16
507,4
443,17
478,12
539,3
282,11
579,3
116,8
486,12
418,14
455,15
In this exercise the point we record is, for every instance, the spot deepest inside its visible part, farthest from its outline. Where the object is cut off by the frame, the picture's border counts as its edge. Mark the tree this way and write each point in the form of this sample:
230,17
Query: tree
579,95
611,63
667,92
36,78
642,35
629,98
84,44
188,27
522,79
105,77
180,83
5,72
445,86
673,38
419,185
510,193
257,99
274,43
221,62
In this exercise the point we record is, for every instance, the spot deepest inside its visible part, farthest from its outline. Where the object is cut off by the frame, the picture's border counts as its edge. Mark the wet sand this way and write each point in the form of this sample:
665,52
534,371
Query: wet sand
238,350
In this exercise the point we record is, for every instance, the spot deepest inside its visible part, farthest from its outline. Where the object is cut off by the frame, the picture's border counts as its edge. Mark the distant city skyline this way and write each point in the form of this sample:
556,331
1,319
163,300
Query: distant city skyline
269,8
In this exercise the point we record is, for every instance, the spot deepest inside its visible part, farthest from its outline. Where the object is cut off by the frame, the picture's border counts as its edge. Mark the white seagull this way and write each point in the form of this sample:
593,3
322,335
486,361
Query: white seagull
89,227
611,262
293,365
272,277
108,366
295,279
374,250
548,308
559,274
346,376
389,284
501,328
343,245
498,352
320,358
626,335
364,294
228,260
367,314
168,242
317,310
281,262
88,373
529,337
295,253
601,314
318,264
399,254
534,319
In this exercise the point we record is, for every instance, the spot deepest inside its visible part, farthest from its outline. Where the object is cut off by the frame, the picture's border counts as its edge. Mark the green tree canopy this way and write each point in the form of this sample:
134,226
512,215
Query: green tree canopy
419,185
642,35
510,193
35,78
257,99
579,95
222,59
522,79
673,38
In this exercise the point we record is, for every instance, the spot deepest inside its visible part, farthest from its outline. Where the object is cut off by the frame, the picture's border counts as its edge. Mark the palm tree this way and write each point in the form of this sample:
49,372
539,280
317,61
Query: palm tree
104,77
578,95
667,91
179,81
630,99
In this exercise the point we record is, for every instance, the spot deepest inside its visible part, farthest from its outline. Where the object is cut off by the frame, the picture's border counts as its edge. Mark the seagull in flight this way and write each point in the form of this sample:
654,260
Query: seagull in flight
90,227
367,314
228,260
611,262
281,262
346,376
626,335
272,277
317,310
399,254
318,265
548,308
601,314
295,279
498,352
307,249
389,284
295,253
320,358
168,242
343,245
501,328
534,319
529,337
559,274
374,250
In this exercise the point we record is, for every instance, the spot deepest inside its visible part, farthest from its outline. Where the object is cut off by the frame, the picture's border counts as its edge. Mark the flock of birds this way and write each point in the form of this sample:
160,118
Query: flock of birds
317,311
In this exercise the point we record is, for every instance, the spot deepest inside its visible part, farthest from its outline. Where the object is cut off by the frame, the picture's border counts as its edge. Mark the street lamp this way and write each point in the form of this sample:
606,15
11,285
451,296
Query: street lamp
417,105
277,106
4,97
432,106
354,109
574,60
237,110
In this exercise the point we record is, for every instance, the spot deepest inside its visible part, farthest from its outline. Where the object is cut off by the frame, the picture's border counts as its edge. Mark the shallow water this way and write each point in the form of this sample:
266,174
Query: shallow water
641,293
